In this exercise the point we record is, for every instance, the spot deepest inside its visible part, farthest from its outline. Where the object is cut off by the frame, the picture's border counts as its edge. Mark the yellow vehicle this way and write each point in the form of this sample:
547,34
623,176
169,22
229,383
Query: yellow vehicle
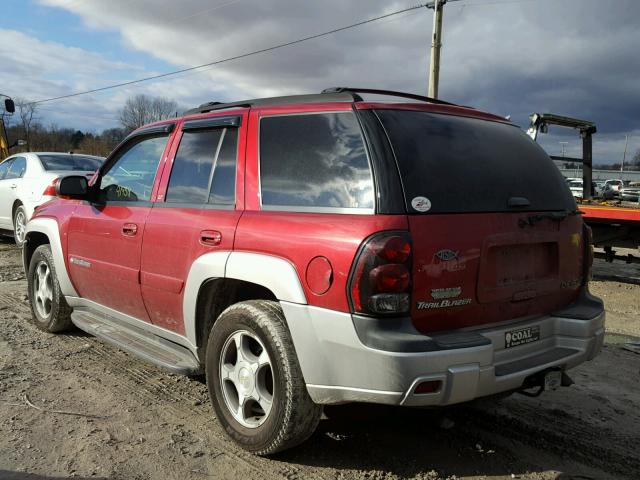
9,107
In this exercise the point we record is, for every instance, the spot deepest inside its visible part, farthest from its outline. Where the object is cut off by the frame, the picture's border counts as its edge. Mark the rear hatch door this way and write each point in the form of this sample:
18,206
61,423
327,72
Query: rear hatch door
493,224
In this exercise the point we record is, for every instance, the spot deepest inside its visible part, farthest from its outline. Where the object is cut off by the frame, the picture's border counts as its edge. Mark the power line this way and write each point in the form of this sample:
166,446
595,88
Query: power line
236,57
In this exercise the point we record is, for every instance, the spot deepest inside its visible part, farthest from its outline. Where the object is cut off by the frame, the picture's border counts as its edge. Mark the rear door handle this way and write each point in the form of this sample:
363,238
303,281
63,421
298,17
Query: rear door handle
210,237
14,186
129,229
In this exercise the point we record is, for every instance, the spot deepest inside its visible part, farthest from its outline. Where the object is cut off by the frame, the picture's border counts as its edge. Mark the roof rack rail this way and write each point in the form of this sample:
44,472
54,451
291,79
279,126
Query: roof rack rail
290,99
390,93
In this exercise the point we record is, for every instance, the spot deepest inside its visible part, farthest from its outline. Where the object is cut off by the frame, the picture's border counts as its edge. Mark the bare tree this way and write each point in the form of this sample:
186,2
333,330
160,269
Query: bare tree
142,109
28,114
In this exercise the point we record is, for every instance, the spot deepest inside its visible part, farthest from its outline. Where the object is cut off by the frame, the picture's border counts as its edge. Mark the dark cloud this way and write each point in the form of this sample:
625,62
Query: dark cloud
574,57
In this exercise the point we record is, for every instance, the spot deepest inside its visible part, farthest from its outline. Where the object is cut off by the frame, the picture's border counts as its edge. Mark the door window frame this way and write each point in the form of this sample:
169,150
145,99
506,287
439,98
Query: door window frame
217,120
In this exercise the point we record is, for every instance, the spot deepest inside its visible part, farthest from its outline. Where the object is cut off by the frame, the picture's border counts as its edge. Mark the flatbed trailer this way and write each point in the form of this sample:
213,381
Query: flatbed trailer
614,224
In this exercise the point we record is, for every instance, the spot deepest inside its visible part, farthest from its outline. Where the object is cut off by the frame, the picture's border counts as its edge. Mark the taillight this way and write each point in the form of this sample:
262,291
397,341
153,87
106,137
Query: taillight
50,191
380,281
588,251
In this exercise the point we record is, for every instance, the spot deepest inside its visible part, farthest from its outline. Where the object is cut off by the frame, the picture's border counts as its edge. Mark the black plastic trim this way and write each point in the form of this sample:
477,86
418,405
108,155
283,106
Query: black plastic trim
398,334
585,307
165,128
388,186
216,122
390,93
286,100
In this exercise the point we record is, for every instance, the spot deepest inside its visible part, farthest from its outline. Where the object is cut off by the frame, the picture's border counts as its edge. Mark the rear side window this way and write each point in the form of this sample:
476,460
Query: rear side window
312,161
18,168
204,169
461,164
70,162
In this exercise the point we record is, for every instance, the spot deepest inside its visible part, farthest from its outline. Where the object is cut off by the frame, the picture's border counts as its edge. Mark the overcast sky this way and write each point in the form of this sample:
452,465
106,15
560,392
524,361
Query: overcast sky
511,57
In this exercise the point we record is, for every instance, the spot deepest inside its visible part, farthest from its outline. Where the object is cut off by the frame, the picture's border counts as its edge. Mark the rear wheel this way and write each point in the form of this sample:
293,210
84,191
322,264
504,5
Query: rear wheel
49,309
254,379
19,225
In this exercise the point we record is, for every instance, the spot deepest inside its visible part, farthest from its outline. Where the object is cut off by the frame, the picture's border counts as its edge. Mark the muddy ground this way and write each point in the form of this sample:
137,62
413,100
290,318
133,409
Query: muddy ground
126,419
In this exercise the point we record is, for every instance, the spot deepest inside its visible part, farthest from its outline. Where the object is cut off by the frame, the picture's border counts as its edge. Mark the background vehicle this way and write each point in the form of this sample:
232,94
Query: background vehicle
614,186
598,188
305,251
612,225
631,192
9,107
28,180
576,188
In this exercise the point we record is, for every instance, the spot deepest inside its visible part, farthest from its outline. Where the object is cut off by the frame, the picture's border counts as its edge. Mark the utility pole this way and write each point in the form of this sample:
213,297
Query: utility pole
436,43
563,145
624,154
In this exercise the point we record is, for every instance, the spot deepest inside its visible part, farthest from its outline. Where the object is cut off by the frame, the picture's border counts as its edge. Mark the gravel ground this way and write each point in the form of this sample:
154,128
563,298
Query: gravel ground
71,407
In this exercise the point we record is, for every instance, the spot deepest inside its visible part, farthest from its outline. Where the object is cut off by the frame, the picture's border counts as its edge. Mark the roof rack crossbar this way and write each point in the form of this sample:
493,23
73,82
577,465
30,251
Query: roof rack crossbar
390,93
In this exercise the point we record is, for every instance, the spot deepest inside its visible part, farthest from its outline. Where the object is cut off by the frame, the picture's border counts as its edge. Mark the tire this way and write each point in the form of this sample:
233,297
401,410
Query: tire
49,309
291,417
19,225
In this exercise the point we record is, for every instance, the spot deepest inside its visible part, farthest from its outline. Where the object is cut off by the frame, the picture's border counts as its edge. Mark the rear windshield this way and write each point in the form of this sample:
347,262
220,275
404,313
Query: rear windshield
451,164
70,162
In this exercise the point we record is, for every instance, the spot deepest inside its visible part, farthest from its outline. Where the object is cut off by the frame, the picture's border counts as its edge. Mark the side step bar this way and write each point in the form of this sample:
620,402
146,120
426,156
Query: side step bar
162,353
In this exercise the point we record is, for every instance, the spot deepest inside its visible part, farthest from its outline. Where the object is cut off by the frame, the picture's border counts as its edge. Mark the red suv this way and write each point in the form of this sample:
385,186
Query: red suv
312,250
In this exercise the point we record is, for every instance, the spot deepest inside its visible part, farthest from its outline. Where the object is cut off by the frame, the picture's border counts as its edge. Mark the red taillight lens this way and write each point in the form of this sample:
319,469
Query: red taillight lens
50,191
395,249
390,278
432,386
380,281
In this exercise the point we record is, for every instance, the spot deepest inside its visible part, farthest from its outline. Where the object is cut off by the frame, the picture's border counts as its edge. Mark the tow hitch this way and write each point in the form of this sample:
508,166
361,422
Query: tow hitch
549,379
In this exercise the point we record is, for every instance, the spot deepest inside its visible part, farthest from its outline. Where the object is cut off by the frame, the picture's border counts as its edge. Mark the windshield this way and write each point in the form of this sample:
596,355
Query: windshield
70,162
575,184
452,164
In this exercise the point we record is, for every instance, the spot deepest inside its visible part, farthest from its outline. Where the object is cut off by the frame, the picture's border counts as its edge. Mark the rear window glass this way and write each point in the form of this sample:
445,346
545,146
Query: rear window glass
451,164
70,162
312,161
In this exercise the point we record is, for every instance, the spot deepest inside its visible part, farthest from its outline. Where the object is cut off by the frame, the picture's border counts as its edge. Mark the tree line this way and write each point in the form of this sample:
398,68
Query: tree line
138,110
26,124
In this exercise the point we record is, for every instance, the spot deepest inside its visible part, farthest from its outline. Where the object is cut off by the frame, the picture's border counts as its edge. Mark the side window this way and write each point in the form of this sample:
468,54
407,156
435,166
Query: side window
131,177
314,161
204,170
4,168
18,168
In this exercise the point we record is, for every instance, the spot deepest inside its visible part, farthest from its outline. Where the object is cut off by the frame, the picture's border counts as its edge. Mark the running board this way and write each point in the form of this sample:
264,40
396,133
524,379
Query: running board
162,353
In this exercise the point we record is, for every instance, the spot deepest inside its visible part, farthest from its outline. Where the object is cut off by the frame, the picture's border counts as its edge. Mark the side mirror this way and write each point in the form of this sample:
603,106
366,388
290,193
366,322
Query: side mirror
73,186
9,106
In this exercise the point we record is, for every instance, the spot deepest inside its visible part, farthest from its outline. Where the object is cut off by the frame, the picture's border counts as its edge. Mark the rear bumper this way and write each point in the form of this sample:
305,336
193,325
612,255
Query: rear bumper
338,367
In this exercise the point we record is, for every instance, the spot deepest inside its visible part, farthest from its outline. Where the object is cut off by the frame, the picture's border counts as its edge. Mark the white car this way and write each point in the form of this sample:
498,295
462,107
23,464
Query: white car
28,180
575,185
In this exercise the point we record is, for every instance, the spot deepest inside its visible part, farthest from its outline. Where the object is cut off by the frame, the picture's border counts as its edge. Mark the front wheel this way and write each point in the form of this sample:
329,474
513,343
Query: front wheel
254,379
49,309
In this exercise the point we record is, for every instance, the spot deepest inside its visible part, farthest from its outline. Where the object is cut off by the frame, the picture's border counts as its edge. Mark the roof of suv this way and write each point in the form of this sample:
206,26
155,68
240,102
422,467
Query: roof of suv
352,95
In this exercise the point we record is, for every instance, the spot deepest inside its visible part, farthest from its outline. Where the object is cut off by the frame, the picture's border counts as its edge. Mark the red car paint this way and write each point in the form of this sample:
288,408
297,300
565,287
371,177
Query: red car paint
144,275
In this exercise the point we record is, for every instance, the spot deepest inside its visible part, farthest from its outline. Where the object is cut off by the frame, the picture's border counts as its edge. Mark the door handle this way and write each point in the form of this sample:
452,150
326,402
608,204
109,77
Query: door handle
129,229
210,238
14,186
